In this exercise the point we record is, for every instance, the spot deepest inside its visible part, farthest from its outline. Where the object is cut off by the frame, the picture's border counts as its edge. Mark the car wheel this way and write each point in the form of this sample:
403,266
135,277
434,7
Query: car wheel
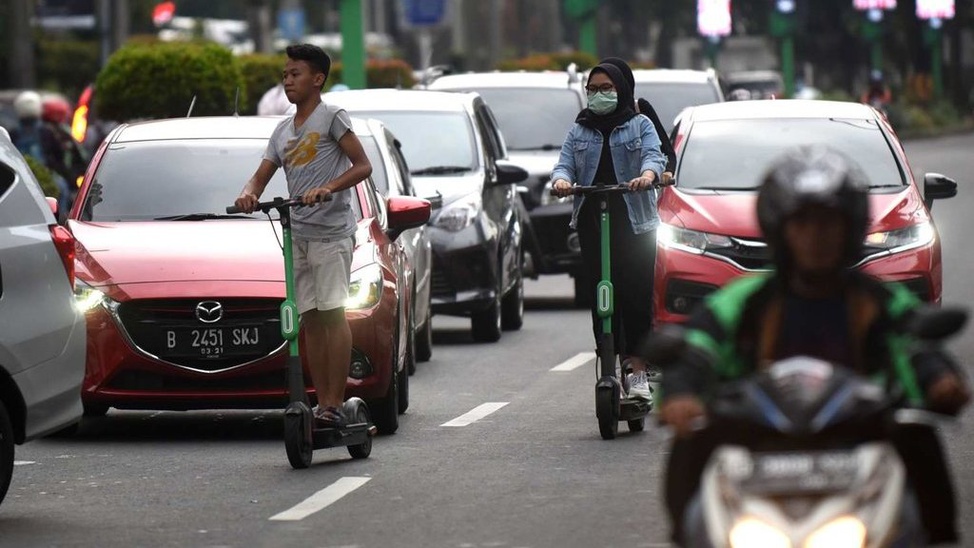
512,307
385,411
6,451
403,404
486,324
424,339
94,410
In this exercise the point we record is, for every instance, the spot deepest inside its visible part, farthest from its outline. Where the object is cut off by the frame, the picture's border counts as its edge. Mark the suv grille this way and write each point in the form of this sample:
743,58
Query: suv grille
204,334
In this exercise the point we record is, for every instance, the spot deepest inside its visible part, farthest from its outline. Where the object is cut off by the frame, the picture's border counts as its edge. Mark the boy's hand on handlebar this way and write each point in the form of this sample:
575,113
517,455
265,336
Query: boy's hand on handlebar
561,188
667,178
679,412
246,202
319,194
642,182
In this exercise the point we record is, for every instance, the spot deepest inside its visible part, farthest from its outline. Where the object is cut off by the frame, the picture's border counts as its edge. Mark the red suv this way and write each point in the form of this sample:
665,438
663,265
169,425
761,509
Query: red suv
709,232
182,300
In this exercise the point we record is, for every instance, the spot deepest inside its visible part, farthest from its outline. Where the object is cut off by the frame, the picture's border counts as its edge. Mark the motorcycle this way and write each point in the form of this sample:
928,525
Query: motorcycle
804,455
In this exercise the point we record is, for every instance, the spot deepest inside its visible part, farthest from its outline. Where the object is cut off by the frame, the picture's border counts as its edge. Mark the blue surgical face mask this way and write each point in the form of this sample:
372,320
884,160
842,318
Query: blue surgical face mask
603,102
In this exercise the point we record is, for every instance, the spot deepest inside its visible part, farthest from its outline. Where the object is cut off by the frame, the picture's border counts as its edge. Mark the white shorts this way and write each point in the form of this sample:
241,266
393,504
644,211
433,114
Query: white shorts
321,273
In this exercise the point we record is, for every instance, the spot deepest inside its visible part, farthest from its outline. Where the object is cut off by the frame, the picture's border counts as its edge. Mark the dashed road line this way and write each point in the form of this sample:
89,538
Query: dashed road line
24,462
322,499
476,414
574,362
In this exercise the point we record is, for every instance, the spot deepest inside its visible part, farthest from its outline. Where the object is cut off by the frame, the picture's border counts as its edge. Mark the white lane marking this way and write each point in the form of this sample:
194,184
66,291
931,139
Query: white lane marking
322,499
476,414
23,462
574,362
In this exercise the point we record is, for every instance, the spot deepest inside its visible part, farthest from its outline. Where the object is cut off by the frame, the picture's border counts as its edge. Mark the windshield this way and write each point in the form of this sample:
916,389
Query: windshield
147,180
734,154
533,118
378,166
432,139
669,98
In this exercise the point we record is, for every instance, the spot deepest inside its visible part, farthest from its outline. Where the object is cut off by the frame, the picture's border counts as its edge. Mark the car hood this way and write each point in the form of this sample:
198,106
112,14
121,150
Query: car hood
451,187
119,254
538,163
733,214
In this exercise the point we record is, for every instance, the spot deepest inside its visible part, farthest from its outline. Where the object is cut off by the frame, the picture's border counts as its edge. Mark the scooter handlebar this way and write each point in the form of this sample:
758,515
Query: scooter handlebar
264,207
578,190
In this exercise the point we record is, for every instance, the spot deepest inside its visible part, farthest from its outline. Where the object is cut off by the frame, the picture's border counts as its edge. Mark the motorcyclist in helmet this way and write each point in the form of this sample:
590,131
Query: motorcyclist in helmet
877,94
813,209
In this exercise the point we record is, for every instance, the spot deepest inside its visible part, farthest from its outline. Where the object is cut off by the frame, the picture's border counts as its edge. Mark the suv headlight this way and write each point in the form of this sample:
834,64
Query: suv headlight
548,199
917,235
691,241
364,288
460,214
87,298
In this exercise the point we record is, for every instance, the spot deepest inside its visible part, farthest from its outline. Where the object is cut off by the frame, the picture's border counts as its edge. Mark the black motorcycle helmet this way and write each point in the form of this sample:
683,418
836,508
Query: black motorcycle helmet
813,175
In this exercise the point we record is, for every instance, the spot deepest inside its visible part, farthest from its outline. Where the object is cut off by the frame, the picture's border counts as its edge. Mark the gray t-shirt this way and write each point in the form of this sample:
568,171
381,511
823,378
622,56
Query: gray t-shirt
311,157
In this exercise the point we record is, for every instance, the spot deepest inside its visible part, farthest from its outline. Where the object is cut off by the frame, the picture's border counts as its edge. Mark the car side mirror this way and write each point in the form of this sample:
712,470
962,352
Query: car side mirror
937,187
52,203
509,174
406,212
937,323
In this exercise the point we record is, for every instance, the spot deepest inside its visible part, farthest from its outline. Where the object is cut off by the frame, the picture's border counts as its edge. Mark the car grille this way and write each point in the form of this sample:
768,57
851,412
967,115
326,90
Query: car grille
146,381
748,254
441,283
173,331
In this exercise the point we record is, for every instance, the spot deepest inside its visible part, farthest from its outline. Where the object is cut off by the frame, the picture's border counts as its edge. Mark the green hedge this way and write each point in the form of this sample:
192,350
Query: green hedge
160,81
261,72
44,176
550,61
387,73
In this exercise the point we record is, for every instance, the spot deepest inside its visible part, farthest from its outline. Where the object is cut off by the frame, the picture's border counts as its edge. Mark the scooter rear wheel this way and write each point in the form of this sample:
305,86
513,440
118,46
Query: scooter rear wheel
605,410
637,425
299,446
357,412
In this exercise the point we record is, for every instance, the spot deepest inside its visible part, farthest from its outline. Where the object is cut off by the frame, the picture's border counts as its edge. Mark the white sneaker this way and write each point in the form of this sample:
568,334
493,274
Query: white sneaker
639,386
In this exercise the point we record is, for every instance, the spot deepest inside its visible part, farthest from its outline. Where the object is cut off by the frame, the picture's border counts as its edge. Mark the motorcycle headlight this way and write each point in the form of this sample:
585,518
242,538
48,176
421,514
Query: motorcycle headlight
87,298
460,214
548,199
917,235
691,241
844,532
754,532
364,288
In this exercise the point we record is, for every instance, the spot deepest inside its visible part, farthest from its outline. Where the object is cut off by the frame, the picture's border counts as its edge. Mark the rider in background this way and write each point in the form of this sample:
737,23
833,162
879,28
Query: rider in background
877,95
611,144
34,137
813,209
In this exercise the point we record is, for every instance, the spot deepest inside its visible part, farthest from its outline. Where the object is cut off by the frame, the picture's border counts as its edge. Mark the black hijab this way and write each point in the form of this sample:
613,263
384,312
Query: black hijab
605,123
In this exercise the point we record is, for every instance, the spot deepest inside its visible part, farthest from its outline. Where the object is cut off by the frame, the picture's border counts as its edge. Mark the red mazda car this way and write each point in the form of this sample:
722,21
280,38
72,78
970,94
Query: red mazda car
709,232
182,300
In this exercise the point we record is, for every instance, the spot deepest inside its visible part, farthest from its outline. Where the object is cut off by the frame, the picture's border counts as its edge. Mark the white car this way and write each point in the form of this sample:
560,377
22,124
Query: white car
42,335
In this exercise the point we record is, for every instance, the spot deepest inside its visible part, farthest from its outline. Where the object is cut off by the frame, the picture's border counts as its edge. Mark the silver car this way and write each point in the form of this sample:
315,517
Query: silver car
42,336
391,177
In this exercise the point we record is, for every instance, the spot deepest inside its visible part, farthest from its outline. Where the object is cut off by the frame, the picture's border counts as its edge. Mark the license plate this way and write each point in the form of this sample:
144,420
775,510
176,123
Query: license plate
213,342
779,473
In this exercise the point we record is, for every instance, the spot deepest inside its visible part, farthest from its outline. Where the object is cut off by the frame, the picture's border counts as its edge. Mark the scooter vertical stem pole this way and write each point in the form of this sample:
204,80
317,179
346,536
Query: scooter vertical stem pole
605,298
289,314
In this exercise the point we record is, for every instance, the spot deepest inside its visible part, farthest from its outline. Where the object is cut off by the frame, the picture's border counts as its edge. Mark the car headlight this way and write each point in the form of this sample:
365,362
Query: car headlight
691,241
917,235
844,532
460,214
754,532
87,298
548,199
364,288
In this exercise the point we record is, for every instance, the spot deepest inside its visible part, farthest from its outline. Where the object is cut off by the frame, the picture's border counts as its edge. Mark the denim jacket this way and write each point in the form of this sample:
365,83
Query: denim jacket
635,148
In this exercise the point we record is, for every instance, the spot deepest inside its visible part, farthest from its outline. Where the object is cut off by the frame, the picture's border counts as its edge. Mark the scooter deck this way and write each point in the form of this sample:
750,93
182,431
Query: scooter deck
353,434
630,409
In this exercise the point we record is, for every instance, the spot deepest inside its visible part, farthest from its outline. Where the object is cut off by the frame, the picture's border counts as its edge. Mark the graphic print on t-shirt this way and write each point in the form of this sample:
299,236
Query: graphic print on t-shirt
302,153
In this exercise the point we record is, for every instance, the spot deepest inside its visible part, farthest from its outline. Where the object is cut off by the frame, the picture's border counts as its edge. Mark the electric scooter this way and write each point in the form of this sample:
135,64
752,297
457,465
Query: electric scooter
301,437
610,406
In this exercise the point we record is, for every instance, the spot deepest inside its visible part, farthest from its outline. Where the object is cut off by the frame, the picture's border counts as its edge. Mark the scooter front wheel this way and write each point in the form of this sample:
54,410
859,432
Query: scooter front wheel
606,409
297,436
357,412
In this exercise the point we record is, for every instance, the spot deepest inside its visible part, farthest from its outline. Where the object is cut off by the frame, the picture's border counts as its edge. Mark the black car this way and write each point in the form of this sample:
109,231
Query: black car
457,155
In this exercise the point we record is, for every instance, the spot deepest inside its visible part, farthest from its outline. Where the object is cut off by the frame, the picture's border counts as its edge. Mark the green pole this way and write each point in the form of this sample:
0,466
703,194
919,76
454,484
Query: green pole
937,65
788,64
587,38
353,44
876,55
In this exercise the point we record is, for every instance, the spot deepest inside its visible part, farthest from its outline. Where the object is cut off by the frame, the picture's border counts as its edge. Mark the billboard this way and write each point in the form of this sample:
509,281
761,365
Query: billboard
935,9
714,17
874,4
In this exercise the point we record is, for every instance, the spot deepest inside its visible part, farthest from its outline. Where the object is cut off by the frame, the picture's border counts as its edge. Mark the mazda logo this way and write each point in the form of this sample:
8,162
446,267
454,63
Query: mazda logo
209,311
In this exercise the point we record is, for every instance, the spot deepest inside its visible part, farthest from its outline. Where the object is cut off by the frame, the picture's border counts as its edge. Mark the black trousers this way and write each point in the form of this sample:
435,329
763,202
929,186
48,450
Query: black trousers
633,263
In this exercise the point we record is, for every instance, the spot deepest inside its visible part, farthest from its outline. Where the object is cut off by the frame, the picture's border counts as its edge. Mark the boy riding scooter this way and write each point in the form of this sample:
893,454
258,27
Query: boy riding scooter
813,208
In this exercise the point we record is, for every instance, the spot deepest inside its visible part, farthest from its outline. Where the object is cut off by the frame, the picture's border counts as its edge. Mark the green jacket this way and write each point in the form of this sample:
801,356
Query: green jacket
734,332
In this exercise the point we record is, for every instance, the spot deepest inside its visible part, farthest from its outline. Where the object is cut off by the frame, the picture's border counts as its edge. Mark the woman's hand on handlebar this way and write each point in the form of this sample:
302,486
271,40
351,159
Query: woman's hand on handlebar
319,194
642,182
561,188
246,202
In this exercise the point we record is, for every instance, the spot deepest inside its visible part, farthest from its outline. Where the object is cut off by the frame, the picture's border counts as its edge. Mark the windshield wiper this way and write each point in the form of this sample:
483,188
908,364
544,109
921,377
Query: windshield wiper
542,147
200,217
440,170
722,188
884,186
